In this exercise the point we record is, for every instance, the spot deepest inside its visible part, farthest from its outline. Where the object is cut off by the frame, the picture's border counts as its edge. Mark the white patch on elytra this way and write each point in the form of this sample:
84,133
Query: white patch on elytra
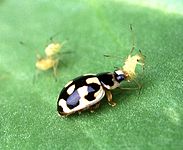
63,104
92,80
83,91
70,90
98,92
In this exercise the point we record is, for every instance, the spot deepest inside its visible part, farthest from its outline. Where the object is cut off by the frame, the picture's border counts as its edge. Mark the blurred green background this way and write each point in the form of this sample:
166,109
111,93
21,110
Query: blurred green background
151,120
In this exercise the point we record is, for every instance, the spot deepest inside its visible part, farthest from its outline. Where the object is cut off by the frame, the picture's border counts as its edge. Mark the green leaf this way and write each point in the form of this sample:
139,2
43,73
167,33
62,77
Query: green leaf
93,28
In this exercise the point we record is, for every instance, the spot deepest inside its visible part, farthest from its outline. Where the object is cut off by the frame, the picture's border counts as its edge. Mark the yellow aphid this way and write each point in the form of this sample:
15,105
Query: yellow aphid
130,65
51,58
46,63
131,62
53,48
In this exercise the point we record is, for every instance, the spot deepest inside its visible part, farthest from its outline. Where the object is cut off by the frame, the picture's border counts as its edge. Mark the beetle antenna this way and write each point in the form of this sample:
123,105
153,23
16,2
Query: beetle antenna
133,39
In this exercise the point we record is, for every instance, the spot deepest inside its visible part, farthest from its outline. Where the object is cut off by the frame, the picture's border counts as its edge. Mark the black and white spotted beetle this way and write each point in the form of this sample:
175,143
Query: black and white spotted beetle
85,92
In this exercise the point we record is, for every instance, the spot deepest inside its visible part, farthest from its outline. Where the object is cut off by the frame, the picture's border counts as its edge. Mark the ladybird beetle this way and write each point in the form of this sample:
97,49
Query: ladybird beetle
86,92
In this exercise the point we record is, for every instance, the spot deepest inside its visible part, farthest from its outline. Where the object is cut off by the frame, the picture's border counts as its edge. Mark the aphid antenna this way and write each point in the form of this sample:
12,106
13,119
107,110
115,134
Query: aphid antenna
53,36
133,39
28,46
67,52
115,67
25,45
112,56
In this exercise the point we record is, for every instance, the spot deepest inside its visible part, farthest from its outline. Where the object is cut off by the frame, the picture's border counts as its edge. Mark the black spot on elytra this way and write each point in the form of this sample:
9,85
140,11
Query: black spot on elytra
106,78
73,100
92,89
59,109
81,81
63,94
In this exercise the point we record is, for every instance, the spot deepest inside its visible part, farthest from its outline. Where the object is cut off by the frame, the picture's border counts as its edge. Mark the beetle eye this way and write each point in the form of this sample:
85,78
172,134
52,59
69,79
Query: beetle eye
120,78
137,59
119,75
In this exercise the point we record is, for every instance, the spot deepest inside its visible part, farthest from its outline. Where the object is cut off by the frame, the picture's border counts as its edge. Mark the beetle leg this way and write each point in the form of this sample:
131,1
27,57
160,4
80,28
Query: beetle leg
109,98
95,106
65,114
79,111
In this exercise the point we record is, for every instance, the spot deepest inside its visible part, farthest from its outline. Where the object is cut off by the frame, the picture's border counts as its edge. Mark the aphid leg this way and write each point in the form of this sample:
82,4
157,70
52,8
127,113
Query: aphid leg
128,88
55,70
109,98
37,71
62,62
142,59
35,75
34,79
135,88
59,59
142,64
92,108
138,84
38,57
